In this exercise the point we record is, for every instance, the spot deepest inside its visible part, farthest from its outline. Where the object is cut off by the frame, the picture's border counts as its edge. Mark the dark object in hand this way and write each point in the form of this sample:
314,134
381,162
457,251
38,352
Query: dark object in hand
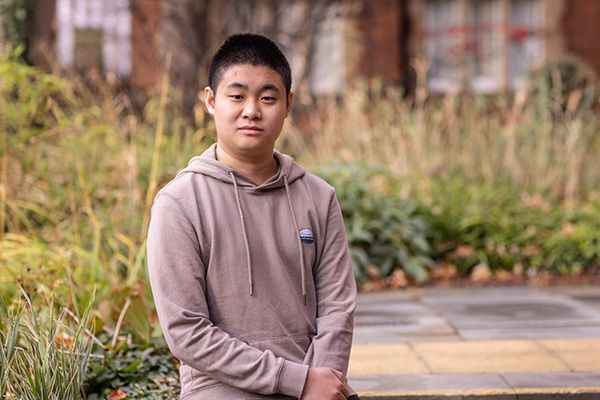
354,397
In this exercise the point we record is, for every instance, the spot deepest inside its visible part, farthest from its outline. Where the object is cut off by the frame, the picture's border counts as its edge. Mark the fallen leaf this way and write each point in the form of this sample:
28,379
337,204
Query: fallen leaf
481,273
398,279
531,251
117,394
518,270
503,275
373,272
445,271
464,251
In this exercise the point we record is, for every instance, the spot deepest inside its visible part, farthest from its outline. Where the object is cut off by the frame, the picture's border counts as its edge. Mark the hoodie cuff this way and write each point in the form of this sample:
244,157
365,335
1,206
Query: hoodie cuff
292,379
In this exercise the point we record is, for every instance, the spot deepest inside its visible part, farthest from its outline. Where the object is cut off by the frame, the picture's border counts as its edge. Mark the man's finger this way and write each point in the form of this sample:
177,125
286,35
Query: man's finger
339,375
345,391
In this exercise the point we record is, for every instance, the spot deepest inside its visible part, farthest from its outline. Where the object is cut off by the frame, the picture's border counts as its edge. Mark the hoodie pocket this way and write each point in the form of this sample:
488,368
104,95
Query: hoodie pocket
292,348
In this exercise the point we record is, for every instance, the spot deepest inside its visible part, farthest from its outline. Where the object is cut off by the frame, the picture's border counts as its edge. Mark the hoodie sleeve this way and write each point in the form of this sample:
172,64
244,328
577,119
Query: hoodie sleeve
336,297
178,286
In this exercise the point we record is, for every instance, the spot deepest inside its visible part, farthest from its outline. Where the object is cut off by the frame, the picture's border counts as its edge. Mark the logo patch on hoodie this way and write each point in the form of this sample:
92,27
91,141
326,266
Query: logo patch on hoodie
306,236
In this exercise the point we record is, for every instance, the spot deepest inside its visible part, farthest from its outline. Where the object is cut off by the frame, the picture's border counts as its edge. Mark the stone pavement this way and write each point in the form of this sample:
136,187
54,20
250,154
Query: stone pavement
478,343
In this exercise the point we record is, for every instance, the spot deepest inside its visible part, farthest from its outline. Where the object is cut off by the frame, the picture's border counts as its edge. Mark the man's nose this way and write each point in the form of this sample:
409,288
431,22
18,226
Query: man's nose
251,110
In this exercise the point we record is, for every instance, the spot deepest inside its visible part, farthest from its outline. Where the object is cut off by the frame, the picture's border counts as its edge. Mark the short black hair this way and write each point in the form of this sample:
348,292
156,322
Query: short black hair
249,48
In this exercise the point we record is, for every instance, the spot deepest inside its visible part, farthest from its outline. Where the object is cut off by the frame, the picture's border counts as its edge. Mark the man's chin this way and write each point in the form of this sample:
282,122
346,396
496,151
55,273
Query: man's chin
253,145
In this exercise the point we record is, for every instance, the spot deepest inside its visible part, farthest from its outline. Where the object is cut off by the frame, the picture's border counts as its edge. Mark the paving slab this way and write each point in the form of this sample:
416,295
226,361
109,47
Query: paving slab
581,361
492,356
532,386
514,312
388,296
555,385
491,363
397,359
424,330
389,318
552,380
588,295
402,313
429,384
565,345
528,333
466,348
475,291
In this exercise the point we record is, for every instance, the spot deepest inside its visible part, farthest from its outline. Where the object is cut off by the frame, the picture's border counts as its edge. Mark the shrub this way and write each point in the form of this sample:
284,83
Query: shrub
137,371
476,223
78,171
566,84
383,230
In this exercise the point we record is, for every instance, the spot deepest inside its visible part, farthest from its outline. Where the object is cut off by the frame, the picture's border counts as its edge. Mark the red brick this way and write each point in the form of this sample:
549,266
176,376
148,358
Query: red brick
145,20
581,30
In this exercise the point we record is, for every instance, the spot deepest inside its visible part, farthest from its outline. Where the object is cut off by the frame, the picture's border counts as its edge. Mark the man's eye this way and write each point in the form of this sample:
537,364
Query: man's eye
269,99
236,97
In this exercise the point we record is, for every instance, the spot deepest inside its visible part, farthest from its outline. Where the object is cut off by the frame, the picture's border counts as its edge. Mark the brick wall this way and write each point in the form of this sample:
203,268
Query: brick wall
581,30
145,20
379,46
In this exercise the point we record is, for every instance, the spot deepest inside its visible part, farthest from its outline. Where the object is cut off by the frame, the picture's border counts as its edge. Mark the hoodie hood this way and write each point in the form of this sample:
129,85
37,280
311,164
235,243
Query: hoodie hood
207,164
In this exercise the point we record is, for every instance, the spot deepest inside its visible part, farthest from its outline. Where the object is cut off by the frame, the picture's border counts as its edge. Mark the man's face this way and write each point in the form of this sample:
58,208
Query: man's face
249,108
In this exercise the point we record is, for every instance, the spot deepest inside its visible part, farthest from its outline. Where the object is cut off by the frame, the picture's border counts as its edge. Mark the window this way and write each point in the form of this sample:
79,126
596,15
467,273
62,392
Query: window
326,70
93,33
484,46
443,45
87,52
526,42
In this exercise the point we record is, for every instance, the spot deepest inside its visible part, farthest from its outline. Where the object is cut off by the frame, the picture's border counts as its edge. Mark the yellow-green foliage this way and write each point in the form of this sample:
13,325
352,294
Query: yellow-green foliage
504,228
42,355
78,171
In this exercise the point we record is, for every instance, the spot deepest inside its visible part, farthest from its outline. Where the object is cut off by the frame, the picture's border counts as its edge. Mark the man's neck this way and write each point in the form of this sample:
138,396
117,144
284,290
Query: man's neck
258,171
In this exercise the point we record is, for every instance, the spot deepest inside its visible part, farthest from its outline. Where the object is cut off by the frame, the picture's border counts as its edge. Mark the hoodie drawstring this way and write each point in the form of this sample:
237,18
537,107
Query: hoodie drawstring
244,234
299,241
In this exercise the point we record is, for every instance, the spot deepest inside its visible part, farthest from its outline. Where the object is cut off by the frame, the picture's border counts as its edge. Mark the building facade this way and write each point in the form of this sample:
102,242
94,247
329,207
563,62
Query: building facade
482,46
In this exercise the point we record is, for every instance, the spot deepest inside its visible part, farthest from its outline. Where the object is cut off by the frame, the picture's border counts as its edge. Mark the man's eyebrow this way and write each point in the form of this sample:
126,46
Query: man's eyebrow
237,85
270,86
266,86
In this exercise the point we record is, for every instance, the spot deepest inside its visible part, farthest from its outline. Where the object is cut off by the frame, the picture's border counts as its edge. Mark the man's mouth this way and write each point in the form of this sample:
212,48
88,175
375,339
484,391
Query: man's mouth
251,129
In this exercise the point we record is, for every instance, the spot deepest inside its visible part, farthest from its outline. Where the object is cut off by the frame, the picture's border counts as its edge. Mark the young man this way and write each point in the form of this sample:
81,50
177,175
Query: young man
247,253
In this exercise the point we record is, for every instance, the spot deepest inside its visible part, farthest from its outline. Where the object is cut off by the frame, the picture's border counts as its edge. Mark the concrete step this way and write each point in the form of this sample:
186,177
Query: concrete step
529,394
512,386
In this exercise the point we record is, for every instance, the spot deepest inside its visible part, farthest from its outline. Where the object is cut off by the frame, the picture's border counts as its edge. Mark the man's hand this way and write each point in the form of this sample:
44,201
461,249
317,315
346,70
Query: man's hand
325,384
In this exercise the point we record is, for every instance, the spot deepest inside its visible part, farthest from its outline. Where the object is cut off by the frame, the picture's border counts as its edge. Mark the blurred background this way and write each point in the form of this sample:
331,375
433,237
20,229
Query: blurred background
462,137
429,46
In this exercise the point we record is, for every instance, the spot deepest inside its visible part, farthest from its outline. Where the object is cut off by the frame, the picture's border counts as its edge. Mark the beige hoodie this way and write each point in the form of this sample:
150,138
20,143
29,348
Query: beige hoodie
252,284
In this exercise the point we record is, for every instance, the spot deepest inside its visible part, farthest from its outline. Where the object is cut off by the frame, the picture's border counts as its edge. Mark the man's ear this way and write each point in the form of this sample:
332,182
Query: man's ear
290,96
209,100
